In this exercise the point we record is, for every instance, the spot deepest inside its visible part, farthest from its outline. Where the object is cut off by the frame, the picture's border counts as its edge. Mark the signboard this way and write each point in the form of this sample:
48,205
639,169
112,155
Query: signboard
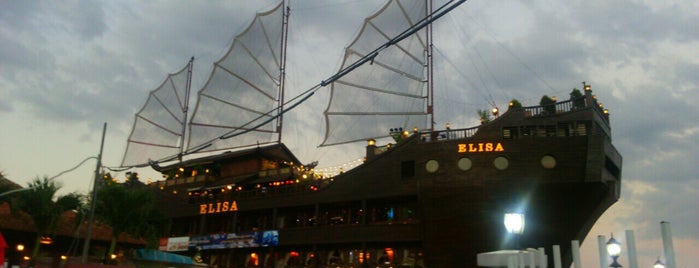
480,147
175,244
218,207
223,241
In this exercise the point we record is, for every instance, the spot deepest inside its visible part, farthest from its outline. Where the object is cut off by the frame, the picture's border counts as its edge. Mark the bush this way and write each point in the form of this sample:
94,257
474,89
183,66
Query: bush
549,104
578,101
514,103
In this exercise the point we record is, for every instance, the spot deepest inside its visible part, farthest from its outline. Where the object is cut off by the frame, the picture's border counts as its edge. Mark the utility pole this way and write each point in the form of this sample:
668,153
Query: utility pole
88,235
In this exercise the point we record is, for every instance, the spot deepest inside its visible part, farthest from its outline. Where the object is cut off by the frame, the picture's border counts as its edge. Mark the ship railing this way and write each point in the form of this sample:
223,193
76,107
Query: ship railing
570,105
266,191
447,134
177,181
261,192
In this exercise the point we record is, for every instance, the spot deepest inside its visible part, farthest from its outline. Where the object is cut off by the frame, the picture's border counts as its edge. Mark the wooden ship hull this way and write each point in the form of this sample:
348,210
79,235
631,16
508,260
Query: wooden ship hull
432,199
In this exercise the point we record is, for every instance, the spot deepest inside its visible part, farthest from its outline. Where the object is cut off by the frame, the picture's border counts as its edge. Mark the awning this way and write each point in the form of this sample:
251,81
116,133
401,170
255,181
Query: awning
159,256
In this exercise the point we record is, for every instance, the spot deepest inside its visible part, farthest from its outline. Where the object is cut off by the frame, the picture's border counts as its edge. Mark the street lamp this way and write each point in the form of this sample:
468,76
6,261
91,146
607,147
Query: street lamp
658,264
614,249
514,223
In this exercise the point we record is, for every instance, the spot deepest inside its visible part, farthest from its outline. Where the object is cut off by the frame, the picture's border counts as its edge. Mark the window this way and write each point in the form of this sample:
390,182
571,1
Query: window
407,169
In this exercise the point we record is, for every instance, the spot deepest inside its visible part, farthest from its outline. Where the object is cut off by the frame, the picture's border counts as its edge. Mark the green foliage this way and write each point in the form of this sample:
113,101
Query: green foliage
125,207
484,116
514,103
38,202
575,93
578,101
549,104
545,100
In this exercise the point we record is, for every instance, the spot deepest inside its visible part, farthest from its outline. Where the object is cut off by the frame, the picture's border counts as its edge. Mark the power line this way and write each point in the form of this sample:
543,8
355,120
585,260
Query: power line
50,179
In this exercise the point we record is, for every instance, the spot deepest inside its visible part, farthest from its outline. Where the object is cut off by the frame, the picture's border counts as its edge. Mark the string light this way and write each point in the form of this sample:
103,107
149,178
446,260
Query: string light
300,174
329,172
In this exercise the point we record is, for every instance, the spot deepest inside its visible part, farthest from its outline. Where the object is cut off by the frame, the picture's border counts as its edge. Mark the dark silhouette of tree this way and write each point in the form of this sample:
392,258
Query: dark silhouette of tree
484,116
577,97
44,208
514,103
549,104
125,207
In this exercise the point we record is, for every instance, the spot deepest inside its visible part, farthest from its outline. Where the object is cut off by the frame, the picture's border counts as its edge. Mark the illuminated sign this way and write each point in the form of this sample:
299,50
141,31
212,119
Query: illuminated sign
480,147
218,207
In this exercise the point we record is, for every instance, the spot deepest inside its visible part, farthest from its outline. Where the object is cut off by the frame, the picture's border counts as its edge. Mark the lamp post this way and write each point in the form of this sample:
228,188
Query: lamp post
658,264
514,223
614,249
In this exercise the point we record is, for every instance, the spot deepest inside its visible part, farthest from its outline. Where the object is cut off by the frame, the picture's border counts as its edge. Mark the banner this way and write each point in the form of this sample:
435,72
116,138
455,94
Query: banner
222,241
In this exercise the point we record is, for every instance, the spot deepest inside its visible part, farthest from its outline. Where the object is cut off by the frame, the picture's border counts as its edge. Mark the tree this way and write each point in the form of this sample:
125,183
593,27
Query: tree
484,116
38,202
514,103
124,207
578,101
549,104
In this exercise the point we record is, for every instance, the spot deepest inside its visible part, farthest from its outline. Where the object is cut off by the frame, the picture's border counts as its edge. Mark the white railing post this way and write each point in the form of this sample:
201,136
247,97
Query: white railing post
543,261
631,247
557,256
575,247
602,244
667,244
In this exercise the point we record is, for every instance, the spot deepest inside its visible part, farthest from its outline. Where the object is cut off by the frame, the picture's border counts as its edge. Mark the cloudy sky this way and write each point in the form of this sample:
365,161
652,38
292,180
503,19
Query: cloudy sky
68,67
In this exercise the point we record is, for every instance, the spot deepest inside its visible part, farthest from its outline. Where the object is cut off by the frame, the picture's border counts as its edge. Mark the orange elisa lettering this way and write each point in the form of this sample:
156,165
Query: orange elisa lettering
480,147
218,207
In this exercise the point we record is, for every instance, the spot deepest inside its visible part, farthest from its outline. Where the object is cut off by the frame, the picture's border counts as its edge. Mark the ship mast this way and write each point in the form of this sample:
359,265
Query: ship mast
430,73
185,107
282,71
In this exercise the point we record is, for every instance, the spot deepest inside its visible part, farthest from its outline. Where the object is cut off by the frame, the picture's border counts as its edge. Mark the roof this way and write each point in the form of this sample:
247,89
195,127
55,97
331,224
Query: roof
8,183
277,151
22,222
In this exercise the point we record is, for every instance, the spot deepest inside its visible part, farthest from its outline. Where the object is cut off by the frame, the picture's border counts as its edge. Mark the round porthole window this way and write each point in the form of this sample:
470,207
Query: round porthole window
432,166
464,163
501,163
548,162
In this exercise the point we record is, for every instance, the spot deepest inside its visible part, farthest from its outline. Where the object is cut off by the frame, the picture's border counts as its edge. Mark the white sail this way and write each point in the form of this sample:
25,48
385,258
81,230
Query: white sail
391,91
158,127
241,103
244,89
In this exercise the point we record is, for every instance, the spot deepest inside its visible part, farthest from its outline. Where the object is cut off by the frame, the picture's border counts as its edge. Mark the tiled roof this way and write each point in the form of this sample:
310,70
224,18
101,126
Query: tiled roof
22,222
6,182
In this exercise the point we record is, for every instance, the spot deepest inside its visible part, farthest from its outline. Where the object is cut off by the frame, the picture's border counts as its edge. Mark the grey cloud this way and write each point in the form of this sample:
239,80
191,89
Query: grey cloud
6,106
88,23
18,14
635,24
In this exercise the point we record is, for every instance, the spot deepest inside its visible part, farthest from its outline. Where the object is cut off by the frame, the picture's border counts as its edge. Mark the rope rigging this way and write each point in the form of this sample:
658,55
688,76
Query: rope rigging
304,96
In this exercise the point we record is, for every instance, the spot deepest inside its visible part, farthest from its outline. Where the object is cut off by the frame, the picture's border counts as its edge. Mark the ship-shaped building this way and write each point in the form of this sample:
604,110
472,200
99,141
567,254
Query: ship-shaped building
426,198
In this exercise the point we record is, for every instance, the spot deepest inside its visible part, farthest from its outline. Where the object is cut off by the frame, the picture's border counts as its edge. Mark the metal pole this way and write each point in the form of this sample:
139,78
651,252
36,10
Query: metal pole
631,247
667,245
602,244
88,236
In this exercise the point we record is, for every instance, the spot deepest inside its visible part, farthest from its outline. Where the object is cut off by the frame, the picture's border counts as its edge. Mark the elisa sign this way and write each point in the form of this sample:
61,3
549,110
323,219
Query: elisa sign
480,147
218,207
